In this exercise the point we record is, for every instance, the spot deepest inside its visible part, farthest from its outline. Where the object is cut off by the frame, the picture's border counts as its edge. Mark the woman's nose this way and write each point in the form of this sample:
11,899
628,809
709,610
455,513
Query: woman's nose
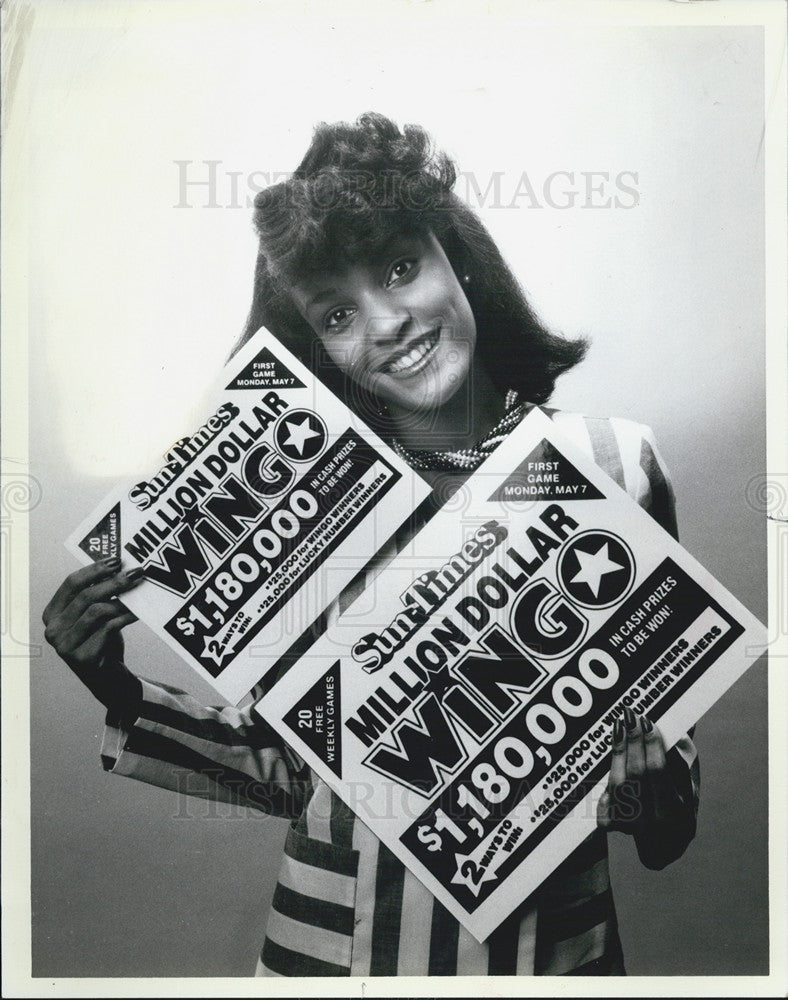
390,325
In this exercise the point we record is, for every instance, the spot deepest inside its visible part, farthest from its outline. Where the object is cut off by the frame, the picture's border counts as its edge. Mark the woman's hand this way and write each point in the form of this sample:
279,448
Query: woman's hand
83,624
641,798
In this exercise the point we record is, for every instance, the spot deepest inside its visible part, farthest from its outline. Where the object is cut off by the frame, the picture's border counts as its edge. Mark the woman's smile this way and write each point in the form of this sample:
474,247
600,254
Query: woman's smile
414,357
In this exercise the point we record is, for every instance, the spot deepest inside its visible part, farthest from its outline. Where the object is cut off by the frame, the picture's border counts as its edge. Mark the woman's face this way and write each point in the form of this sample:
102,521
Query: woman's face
399,325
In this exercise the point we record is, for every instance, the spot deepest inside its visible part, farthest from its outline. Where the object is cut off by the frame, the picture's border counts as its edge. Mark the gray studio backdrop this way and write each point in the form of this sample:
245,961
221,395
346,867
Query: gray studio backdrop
130,880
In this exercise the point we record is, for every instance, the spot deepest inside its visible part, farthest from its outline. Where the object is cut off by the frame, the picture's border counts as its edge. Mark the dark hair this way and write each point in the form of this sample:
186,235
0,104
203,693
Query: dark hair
357,185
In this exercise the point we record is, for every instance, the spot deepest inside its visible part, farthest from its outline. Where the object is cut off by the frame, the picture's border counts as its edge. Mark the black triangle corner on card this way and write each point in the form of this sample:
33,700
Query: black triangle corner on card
545,474
265,371
317,718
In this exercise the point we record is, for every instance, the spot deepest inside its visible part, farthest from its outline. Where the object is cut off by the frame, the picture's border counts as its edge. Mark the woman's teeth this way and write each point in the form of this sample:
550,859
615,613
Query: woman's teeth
412,358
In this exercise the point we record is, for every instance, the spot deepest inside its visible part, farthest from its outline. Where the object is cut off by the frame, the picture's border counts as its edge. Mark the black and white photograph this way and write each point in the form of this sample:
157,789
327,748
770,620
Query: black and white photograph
318,662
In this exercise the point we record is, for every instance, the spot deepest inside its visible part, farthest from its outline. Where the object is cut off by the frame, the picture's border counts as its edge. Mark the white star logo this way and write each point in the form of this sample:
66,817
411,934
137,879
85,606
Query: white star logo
299,434
594,567
216,649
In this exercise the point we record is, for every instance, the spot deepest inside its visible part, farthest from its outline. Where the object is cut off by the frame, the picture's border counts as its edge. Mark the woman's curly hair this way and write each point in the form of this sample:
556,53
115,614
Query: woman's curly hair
358,185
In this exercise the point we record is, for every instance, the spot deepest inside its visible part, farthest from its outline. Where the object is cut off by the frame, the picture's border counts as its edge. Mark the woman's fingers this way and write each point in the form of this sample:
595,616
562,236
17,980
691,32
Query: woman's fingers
100,591
662,790
609,802
603,817
618,761
98,662
636,751
628,802
93,644
638,780
640,798
82,619
83,623
76,582
92,622
671,825
79,596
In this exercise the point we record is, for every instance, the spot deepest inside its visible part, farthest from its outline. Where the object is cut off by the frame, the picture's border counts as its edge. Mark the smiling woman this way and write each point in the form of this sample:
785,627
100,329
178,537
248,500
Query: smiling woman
390,288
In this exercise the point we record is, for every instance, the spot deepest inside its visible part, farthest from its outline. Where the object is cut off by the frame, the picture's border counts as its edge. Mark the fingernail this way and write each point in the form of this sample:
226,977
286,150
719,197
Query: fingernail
630,719
135,574
648,725
110,561
618,731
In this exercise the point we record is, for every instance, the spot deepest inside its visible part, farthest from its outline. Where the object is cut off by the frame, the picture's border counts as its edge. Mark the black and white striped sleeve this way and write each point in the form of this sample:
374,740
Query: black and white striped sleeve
227,754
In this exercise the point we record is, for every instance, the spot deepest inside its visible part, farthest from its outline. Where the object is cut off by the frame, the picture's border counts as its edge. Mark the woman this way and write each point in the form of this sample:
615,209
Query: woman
389,287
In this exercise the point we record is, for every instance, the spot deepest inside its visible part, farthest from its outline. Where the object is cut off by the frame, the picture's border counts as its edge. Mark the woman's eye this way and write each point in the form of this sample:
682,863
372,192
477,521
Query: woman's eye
337,318
399,270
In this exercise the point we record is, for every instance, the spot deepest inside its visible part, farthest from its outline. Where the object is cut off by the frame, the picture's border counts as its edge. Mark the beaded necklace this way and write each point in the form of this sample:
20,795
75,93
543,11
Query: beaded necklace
468,459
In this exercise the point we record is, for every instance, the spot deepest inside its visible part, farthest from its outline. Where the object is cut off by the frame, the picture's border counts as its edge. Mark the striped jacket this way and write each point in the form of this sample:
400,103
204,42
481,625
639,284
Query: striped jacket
344,905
